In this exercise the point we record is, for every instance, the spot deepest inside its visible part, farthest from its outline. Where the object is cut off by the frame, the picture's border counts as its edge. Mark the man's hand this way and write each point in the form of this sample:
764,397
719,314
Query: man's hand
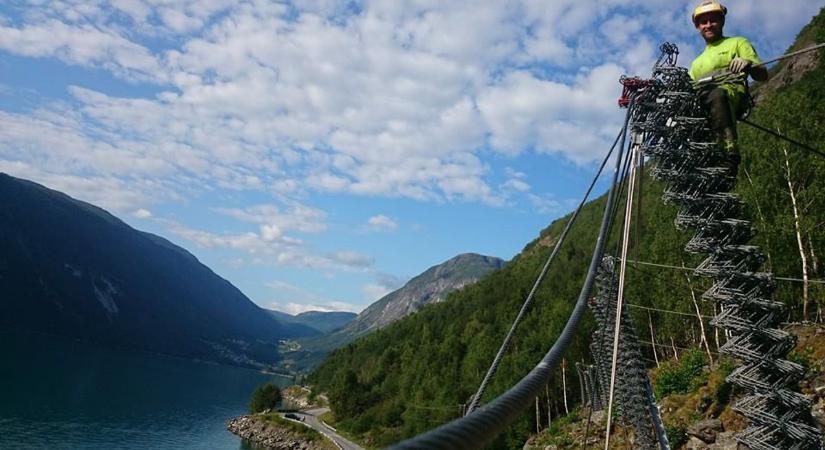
738,65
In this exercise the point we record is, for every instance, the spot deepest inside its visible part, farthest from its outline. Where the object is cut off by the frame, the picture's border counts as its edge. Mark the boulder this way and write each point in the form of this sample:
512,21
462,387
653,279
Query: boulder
695,443
706,430
725,441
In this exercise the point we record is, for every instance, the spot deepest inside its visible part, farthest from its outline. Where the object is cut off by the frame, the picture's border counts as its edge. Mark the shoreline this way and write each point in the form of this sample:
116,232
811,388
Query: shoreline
270,431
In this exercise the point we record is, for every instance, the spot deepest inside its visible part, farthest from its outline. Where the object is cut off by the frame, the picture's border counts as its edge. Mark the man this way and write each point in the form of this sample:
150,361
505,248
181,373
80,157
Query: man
725,101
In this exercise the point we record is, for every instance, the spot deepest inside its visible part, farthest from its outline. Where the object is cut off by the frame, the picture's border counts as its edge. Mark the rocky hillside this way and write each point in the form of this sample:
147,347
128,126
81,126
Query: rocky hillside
72,269
270,431
697,405
430,287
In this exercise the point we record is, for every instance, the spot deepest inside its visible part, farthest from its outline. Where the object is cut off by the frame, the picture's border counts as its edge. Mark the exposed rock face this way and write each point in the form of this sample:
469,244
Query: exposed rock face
432,286
269,436
706,430
296,397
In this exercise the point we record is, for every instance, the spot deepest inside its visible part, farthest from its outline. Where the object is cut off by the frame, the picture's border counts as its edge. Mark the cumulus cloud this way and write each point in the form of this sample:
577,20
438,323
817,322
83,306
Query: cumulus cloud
381,222
545,204
351,259
298,308
392,99
142,213
84,45
295,300
270,245
296,217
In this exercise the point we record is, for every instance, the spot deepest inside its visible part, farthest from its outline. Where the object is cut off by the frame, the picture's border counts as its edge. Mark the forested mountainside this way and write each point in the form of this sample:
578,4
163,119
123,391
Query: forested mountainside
72,269
418,372
431,286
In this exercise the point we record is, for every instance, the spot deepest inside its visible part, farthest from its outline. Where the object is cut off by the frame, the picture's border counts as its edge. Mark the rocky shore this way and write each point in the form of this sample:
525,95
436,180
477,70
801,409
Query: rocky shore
262,431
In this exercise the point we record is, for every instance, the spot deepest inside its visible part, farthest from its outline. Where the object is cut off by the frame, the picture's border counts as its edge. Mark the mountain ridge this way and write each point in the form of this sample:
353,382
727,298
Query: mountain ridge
432,286
70,268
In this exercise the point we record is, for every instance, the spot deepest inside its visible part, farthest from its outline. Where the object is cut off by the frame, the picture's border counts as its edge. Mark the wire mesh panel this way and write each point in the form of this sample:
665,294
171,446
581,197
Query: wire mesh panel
631,375
699,177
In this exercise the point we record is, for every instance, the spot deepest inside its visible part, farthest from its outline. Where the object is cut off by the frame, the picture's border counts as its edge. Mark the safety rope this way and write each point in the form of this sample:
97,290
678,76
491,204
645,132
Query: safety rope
527,302
620,297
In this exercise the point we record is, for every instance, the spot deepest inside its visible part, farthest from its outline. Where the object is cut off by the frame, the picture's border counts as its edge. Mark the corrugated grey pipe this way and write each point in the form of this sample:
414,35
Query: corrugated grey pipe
478,429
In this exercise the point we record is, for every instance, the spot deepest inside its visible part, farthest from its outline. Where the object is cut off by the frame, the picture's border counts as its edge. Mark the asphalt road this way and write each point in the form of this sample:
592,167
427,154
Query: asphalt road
311,419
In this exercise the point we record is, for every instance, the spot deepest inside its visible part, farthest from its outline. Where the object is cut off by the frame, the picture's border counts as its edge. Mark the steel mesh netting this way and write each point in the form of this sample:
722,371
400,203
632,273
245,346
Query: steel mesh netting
631,374
700,177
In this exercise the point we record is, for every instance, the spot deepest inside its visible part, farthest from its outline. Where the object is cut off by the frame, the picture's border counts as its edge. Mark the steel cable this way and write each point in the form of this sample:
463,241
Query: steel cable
479,428
506,343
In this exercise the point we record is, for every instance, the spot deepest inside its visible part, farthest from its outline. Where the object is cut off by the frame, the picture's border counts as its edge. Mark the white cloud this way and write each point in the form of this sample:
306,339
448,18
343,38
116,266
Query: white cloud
546,204
398,99
295,300
382,284
351,259
381,222
142,213
270,245
85,45
383,103
107,192
524,112
296,217
298,308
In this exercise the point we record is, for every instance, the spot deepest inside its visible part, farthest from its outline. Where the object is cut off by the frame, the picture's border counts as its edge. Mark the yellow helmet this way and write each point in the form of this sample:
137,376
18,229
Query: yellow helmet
708,6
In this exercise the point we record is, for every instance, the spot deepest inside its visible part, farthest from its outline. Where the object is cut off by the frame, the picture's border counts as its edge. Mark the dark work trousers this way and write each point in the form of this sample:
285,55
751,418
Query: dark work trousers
723,105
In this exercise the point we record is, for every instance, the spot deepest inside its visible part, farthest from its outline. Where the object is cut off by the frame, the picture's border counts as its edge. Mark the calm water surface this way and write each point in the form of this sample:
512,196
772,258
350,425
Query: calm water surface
61,394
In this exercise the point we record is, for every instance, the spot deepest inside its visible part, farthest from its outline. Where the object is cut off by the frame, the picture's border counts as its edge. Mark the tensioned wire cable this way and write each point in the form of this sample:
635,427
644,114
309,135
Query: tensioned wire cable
690,269
528,302
475,430
819,153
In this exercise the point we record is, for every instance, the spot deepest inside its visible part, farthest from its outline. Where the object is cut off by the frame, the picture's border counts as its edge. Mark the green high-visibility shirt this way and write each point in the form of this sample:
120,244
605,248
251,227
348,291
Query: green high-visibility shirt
717,56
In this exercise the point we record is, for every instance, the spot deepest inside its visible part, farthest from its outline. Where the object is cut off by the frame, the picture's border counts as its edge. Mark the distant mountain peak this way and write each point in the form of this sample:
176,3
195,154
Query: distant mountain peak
431,286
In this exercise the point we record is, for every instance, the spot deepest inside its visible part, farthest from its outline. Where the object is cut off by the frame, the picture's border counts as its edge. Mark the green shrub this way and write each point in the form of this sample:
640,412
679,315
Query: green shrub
682,376
266,396
724,389
804,357
676,436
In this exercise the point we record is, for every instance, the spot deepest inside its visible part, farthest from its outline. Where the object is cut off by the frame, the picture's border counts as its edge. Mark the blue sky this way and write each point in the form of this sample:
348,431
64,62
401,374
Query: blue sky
318,154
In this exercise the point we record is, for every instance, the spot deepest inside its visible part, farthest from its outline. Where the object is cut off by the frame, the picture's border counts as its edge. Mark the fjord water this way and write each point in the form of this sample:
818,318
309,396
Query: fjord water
62,394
